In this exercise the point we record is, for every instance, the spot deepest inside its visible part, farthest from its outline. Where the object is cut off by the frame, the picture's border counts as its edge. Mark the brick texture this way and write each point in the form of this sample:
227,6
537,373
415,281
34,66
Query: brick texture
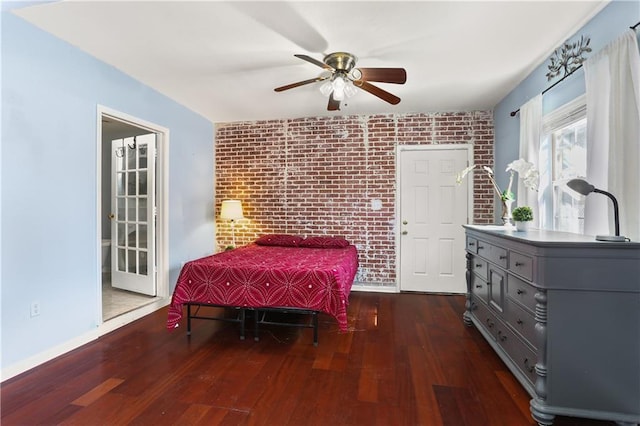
317,176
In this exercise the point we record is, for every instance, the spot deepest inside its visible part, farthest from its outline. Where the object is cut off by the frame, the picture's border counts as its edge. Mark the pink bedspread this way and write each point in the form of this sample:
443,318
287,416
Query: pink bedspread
255,276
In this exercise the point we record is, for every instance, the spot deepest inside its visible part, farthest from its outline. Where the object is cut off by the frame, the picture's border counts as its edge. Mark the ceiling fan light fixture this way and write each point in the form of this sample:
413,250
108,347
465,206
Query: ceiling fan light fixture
342,80
350,90
338,88
326,88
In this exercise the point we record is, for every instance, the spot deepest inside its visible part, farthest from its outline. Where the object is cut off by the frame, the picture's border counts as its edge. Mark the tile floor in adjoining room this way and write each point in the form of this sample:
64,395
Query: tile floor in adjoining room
117,302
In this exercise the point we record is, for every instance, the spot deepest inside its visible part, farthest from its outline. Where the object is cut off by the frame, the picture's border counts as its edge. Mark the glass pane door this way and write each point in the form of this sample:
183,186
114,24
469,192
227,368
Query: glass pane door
133,224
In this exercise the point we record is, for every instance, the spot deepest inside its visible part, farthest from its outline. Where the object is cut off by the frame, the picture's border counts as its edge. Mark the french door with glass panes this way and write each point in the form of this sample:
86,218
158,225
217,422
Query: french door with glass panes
133,217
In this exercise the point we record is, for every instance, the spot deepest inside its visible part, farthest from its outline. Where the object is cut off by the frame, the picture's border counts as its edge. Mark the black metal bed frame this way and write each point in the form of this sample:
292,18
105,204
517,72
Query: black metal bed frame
261,313
260,317
239,319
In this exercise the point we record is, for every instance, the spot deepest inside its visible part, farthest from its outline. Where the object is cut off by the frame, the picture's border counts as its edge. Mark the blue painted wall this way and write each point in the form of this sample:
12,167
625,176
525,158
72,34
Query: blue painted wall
48,231
603,28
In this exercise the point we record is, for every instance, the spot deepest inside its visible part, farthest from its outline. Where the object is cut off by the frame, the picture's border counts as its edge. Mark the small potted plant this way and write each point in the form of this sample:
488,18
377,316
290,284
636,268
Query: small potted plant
522,216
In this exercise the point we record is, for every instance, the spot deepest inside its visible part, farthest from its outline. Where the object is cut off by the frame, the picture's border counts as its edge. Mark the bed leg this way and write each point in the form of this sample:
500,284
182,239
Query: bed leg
242,313
188,319
256,319
315,329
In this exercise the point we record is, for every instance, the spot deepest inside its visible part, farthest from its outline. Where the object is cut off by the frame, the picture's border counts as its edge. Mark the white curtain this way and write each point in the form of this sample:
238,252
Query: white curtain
530,128
613,136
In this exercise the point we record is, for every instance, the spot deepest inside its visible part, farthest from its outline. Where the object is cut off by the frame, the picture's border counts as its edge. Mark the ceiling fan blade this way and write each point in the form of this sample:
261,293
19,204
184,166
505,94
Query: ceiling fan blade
374,90
333,105
315,62
299,83
384,75
283,18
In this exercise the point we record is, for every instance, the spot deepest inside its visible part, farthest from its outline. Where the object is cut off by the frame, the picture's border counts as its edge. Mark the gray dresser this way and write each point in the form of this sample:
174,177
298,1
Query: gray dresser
563,312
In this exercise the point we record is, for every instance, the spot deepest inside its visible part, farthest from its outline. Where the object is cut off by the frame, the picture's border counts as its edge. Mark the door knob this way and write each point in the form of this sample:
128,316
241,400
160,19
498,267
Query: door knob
111,216
404,232
404,222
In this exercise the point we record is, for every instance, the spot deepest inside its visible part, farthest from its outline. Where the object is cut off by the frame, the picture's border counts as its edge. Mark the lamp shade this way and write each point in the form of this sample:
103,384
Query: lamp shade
581,186
231,210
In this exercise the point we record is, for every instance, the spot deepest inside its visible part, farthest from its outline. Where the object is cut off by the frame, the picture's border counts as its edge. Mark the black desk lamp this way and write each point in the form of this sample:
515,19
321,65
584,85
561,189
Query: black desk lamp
585,188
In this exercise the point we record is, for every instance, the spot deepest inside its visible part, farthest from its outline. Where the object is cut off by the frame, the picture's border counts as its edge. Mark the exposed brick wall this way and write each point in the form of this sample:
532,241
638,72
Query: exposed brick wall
317,176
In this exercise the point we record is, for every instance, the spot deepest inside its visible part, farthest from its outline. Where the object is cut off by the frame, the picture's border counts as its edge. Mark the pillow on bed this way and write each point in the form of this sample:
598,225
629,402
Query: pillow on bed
282,240
324,242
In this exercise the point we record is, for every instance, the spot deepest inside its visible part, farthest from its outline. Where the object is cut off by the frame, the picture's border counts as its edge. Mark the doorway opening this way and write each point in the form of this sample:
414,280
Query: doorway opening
131,225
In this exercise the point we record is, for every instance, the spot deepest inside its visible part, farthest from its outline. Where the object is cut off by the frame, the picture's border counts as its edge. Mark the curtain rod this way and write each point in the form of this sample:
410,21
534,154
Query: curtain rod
513,113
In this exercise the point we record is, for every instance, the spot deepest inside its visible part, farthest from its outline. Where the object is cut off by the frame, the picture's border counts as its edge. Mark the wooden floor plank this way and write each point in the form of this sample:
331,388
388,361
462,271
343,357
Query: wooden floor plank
95,393
193,415
515,391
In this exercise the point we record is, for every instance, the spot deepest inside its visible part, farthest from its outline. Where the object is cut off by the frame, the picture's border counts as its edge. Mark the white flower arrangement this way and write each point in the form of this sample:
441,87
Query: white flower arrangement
525,169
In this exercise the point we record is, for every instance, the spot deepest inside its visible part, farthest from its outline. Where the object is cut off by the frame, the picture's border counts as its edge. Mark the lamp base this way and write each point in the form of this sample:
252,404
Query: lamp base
611,238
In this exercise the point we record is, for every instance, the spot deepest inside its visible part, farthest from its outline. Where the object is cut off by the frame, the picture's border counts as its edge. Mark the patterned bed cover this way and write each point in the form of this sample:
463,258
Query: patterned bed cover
255,276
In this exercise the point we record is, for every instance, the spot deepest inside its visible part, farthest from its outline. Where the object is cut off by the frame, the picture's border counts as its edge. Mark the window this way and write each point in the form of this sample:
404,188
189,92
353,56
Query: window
564,150
569,148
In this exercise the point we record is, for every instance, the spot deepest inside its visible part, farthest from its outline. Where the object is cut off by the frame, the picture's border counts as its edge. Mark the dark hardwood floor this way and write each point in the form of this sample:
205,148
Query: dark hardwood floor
408,359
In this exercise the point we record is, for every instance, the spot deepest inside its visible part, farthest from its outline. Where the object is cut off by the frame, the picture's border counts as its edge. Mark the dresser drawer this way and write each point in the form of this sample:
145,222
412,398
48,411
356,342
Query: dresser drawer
493,254
486,318
472,245
522,322
521,264
521,292
479,267
480,288
522,356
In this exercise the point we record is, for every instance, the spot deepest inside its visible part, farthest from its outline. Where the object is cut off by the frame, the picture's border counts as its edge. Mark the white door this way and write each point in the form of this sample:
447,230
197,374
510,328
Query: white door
432,211
133,221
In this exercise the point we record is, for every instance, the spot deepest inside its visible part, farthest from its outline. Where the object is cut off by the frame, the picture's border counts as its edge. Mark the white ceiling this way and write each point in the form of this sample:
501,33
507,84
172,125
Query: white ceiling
223,59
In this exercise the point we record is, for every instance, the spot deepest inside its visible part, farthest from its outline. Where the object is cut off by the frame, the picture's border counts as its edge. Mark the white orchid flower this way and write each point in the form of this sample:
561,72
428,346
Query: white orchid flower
527,172
488,170
532,179
521,166
464,174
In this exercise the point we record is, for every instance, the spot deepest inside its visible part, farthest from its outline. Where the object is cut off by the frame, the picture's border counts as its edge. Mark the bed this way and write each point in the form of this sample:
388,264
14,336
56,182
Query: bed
280,273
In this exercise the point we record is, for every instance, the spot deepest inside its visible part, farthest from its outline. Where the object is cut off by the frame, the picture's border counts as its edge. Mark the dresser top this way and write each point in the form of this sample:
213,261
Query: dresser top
543,238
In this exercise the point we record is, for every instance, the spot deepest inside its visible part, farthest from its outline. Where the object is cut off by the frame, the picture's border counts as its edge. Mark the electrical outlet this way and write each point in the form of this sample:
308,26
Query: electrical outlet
35,309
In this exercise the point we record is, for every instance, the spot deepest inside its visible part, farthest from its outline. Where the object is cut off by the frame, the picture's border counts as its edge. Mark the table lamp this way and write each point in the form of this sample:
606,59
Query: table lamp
231,210
583,187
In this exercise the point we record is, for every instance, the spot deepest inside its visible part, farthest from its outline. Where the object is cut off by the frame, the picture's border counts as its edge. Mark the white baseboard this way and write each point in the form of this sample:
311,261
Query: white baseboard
122,320
51,353
106,327
374,288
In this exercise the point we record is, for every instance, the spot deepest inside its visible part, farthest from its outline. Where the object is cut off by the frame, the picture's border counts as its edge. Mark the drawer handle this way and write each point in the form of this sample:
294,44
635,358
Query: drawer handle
503,257
530,368
519,263
519,321
480,247
472,244
519,291
489,322
478,285
501,336
478,265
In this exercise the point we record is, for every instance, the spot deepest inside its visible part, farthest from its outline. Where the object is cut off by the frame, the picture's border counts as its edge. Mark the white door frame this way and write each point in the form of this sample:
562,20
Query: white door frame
434,147
162,218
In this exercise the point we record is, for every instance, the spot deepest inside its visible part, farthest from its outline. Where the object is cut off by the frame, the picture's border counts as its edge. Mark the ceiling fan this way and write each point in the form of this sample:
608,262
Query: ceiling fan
342,79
